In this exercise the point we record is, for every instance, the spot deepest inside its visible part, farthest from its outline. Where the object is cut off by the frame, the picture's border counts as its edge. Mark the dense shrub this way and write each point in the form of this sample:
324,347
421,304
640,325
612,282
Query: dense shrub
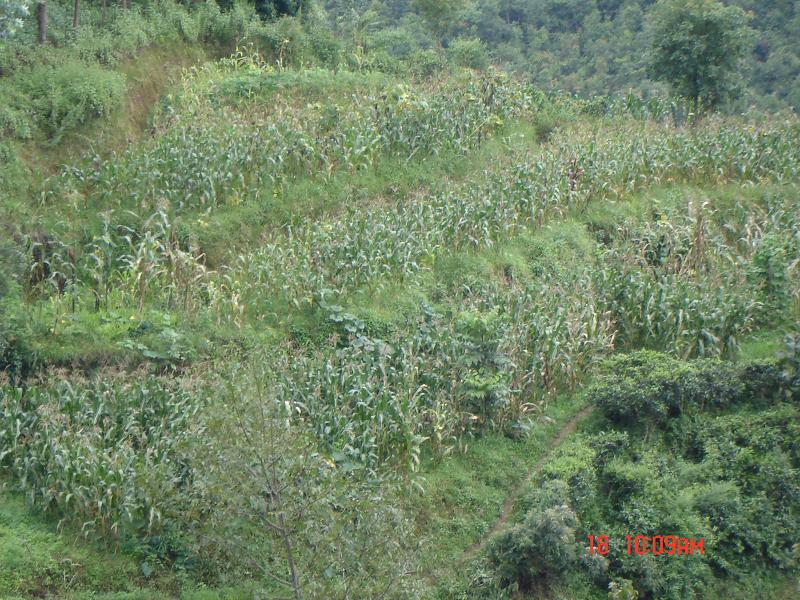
469,53
14,119
326,48
396,42
17,358
284,41
425,63
63,97
727,476
544,547
650,388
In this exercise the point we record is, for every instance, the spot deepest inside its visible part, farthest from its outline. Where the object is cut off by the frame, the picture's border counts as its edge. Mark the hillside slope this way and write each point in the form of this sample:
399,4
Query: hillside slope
291,330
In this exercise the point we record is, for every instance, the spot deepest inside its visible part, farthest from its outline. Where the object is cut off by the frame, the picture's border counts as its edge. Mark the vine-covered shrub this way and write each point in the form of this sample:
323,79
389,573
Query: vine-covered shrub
544,547
723,470
468,53
651,388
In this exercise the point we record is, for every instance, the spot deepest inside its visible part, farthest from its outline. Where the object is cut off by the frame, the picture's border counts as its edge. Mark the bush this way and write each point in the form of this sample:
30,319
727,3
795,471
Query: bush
17,359
131,33
327,49
284,41
189,28
63,97
537,552
13,174
14,120
425,63
728,478
543,548
468,53
650,388
99,46
383,62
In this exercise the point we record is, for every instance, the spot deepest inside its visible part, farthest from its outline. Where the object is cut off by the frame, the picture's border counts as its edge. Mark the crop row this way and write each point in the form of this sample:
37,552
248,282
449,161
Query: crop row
361,246
153,259
206,160
106,456
492,356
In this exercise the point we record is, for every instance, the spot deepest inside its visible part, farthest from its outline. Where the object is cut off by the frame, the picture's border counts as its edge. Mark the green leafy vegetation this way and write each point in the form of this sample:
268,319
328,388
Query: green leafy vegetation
307,300
702,450
699,49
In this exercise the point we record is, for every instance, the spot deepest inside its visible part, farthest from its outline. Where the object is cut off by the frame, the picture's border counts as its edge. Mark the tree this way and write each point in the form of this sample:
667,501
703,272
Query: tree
275,503
41,18
438,15
699,47
11,14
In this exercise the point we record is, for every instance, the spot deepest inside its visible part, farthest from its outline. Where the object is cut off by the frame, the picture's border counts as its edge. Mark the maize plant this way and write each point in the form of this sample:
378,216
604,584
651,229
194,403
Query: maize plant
210,159
362,246
105,456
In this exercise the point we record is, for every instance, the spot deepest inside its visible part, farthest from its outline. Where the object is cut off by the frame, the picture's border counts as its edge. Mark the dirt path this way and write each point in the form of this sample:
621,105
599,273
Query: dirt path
501,524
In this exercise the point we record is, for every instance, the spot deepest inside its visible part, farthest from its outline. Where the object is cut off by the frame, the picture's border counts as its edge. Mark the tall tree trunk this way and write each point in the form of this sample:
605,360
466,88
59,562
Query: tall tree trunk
104,12
76,15
41,13
125,4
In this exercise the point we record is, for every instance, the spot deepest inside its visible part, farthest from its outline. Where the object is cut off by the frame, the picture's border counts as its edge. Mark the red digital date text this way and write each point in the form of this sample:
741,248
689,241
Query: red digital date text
656,545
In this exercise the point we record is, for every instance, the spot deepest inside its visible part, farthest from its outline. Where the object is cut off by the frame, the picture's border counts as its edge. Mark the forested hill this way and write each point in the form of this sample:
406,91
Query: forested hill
583,46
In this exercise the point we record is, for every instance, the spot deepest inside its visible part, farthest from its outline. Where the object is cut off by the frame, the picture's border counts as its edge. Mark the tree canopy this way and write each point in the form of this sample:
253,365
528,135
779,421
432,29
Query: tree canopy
699,48
11,14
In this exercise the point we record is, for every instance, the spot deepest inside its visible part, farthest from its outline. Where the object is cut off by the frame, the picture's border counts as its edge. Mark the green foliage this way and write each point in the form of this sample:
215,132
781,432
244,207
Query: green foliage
232,160
12,13
622,589
592,47
790,359
64,97
396,42
437,14
487,379
425,63
469,53
541,550
464,305
723,469
698,48
769,271
107,456
648,388
53,564
17,358
274,506
542,547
